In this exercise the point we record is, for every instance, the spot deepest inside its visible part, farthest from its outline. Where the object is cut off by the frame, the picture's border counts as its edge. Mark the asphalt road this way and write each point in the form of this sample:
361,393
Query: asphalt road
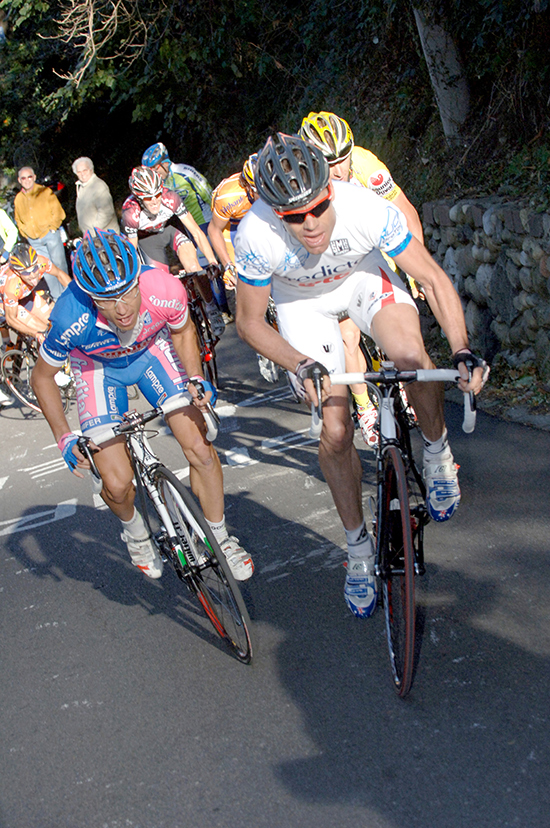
119,707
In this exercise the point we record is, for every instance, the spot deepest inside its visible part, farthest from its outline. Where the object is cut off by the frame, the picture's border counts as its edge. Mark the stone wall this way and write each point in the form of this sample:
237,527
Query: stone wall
497,255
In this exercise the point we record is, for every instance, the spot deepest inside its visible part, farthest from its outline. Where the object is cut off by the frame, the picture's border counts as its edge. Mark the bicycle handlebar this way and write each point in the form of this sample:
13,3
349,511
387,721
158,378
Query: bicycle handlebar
136,420
391,377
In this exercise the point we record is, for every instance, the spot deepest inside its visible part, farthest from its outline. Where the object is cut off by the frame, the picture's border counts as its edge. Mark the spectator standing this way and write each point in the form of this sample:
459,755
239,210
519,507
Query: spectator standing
94,203
38,215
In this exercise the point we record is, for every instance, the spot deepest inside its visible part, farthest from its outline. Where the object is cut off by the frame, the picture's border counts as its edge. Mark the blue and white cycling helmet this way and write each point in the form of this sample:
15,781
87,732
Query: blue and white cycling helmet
105,265
156,154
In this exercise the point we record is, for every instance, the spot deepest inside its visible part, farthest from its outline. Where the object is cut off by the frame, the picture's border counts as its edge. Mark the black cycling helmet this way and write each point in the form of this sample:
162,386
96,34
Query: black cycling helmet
105,265
289,172
23,257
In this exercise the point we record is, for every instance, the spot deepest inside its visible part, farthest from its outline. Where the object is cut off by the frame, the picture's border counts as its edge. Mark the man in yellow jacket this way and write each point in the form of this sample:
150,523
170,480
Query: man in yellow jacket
38,215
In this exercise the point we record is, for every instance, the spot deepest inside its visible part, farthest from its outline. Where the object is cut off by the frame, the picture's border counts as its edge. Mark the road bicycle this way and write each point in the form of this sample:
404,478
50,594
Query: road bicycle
206,340
16,368
399,514
179,530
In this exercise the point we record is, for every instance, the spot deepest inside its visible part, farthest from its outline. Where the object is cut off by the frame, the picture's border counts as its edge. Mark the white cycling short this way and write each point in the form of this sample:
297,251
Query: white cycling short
311,325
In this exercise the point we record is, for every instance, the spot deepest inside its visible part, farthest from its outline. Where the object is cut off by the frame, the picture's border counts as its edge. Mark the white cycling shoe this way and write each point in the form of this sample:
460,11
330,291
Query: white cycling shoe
144,555
442,489
240,562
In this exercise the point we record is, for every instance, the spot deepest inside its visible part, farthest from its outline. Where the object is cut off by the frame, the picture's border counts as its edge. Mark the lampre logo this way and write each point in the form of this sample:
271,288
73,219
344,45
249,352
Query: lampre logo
76,328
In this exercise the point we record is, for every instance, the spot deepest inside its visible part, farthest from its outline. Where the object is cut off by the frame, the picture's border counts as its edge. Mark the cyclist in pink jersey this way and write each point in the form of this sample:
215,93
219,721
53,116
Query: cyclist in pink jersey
123,325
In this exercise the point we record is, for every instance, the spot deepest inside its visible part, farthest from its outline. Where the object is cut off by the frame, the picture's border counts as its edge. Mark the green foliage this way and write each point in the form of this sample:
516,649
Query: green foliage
215,76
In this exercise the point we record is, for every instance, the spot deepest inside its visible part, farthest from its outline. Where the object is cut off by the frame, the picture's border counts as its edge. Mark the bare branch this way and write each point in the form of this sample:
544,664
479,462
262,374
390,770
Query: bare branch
94,27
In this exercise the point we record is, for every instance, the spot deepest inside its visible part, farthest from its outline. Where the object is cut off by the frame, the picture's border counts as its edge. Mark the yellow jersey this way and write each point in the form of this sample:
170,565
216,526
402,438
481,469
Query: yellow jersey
368,171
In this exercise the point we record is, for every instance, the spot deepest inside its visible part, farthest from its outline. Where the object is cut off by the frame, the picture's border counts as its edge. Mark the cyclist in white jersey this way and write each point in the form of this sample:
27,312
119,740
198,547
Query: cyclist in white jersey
316,247
348,162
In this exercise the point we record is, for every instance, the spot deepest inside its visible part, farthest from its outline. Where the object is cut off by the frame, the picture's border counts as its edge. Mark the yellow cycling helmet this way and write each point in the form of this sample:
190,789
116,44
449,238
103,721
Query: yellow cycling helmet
248,171
329,133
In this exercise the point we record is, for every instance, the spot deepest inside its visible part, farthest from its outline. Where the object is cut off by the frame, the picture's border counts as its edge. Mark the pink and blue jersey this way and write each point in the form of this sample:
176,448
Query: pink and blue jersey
103,366
76,323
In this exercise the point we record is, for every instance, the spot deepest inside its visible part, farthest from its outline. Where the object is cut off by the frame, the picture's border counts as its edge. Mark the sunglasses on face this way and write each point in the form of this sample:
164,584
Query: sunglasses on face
315,208
29,274
108,304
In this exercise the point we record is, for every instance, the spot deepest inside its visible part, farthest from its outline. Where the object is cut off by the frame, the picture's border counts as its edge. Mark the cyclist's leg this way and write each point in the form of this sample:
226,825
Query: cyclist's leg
366,412
311,326
102,402
102,398
393,323
396,330
185,250
163,384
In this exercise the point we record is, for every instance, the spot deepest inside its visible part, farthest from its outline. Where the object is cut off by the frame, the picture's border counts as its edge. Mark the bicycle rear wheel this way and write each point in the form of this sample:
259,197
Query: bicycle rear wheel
201,563
16,367
396,561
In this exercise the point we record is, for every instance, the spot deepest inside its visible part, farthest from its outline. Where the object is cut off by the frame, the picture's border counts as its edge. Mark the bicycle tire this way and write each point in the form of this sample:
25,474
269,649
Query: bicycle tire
396,561
206,342
16,367
207,573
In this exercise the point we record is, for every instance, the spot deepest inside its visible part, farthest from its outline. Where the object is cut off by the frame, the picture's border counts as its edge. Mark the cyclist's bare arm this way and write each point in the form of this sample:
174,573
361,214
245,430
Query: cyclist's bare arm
31,324
60,275
187,349
443,300
413,220
47,392
199,237
215,234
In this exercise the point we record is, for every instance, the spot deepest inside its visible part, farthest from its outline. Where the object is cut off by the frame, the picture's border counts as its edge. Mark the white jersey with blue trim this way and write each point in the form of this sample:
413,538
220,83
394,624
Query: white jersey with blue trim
266,252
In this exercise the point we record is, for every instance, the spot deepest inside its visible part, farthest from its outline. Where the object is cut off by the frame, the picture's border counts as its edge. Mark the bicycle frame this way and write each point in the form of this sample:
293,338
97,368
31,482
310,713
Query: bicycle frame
144,462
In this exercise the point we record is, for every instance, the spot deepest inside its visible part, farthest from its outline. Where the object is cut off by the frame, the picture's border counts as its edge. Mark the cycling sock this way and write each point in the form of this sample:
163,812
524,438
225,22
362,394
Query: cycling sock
362,400
438,446
219,530
135,526
359,542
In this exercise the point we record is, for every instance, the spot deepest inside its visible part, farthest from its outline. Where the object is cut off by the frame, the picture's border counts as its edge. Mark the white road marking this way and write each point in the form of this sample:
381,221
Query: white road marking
181,473
287,441
238,456
45,468
99,503
3,481
267,397
26,523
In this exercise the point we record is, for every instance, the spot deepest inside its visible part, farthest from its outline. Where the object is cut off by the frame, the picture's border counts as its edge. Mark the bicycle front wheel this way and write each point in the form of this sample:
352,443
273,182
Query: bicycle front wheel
200,562
16,367
396,561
